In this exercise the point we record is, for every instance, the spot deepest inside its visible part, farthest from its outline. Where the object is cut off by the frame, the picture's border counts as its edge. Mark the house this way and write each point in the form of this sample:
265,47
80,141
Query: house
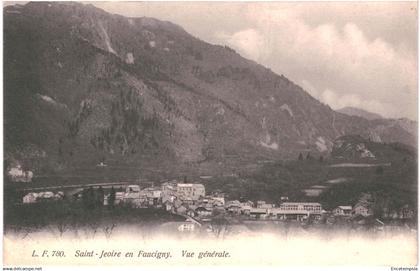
17,174
211,201
406,212
30,198
153,195
247,203
168,205
191,213
45,196
235,203
101,164
191,191
260,203
205,200
219,201
169,191
246,209
258,213
185,226
187,201
203,211
234,209
191,210
132,189
284,198
342,210
119,197
362,209
152,192
132,196
42,196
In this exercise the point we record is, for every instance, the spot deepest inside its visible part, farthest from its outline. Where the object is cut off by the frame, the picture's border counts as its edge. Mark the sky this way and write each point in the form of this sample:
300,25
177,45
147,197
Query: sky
360,54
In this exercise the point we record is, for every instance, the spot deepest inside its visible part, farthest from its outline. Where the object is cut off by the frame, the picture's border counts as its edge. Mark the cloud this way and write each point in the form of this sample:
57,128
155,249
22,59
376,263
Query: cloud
248,42
341,60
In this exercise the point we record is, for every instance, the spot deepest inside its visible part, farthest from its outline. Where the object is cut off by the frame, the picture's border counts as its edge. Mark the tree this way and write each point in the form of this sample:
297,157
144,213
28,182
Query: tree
219,225
111,199
99,197
300,158
379,170
107,229
88,198
198,56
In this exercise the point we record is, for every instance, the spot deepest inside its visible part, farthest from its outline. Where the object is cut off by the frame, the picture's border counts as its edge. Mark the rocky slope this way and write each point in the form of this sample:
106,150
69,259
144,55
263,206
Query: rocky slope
83,86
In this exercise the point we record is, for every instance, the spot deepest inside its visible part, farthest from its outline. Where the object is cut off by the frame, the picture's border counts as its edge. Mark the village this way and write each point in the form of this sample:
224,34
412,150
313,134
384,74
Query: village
199,208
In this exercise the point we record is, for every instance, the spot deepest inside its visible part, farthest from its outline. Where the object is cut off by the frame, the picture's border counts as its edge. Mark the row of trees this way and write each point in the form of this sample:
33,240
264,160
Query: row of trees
94,198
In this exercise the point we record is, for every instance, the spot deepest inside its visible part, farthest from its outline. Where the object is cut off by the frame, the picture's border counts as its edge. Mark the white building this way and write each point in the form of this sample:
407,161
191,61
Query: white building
311,207
342,210
218,201
362,209
204,211
132,189
45,195
133,196
30,198
186,226
119,197
231,203
152,193
169,191
17,174
190,191
297,210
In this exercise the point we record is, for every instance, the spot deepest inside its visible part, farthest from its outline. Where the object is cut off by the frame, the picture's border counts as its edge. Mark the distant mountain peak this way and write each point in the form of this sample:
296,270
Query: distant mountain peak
354,111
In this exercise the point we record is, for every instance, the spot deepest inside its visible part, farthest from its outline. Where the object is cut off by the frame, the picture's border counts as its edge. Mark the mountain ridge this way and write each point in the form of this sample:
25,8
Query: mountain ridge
354,111
97,86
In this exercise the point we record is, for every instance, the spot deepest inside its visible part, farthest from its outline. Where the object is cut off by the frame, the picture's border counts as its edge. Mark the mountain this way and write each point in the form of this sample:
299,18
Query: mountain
83,86
353,111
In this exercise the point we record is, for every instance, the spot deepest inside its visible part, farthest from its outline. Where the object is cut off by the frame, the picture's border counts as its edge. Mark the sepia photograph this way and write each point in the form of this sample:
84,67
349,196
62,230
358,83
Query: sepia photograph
210,133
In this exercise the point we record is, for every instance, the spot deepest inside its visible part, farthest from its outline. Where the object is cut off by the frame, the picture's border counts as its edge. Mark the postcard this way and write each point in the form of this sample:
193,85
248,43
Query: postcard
210,133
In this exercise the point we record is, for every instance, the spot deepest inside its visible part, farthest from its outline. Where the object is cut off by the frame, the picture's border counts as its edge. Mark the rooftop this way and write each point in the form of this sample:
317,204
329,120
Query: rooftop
301,203
345,207
190,184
